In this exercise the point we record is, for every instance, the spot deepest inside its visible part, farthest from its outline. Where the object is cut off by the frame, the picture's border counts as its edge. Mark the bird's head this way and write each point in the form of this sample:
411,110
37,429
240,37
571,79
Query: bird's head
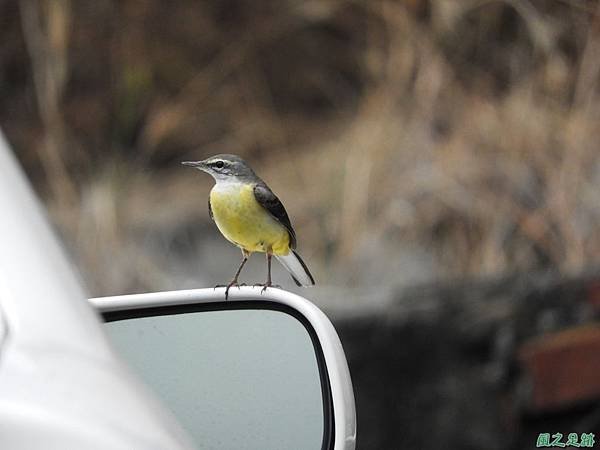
223,167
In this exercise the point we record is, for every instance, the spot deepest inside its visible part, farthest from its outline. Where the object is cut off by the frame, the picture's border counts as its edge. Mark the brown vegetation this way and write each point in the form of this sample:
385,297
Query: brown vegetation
466,129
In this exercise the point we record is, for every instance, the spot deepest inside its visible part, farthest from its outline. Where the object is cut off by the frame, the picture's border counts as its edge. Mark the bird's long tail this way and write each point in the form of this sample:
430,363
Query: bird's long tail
297,269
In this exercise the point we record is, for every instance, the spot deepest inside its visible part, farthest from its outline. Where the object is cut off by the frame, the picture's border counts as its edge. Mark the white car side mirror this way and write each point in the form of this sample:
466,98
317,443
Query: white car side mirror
260,371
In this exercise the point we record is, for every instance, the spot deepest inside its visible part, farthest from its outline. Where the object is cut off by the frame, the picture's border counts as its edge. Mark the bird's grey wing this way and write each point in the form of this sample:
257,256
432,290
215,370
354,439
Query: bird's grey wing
210,209
265,197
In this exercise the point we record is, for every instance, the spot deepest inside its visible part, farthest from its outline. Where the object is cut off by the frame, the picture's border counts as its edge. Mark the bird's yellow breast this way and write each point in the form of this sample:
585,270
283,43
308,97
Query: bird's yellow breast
243,221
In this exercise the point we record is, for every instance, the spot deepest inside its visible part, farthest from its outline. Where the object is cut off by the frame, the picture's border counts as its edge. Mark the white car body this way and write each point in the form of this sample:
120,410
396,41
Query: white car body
61,386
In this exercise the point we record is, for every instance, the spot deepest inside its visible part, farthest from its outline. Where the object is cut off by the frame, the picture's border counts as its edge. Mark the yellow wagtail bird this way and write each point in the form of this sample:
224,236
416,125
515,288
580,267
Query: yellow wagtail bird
250,216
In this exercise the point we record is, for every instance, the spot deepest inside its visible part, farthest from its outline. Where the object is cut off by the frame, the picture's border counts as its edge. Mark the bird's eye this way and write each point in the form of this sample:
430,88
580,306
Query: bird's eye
219,164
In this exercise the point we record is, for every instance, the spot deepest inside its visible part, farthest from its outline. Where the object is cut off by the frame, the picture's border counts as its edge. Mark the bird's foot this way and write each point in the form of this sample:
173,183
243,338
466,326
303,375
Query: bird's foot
228,286
266,285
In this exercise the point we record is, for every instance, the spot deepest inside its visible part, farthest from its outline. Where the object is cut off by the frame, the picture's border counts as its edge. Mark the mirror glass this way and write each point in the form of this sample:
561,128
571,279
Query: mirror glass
235,379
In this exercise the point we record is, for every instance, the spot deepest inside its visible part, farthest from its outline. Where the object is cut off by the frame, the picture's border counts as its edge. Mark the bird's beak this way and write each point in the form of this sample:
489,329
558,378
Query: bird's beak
195,164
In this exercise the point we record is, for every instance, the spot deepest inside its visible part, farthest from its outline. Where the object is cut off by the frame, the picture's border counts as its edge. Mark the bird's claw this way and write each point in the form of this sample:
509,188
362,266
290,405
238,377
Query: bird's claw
264,287
267,285
228,286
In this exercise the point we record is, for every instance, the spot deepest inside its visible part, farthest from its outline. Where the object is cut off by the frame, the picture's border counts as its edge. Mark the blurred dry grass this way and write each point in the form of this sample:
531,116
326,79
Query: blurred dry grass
467,130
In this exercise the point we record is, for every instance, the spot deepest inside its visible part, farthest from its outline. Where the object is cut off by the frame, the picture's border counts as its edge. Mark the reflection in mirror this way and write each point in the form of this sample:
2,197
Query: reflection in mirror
235,379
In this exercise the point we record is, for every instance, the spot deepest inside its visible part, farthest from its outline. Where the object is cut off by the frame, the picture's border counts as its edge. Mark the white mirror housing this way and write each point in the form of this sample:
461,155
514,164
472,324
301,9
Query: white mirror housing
342,423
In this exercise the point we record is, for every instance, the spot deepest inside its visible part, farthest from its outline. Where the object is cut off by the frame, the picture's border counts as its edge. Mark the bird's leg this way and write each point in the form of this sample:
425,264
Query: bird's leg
268,283
234,282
